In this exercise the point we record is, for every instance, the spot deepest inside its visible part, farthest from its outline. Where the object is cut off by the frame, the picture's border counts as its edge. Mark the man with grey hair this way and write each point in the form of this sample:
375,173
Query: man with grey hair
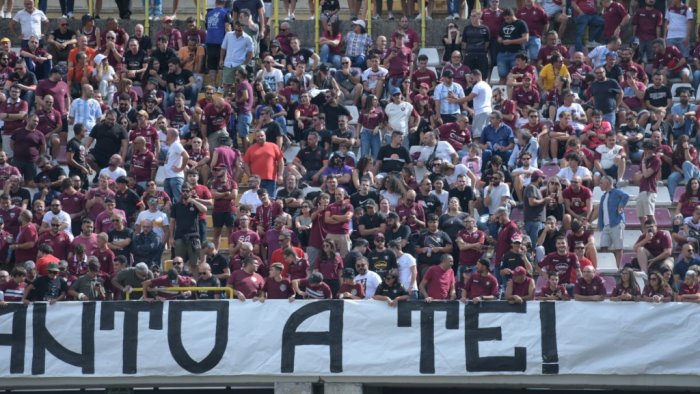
61,41
611,217
147,245
130,278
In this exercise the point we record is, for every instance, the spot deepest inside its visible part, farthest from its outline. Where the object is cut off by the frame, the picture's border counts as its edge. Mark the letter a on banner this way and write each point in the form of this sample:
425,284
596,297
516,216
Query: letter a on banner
333,338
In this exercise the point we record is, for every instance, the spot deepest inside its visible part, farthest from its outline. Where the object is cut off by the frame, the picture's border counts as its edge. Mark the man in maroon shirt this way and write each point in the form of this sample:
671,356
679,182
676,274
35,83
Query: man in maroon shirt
14,111
670,61
411,39
439,281
423,74
147,131
276,287
10,214
87,238
537,22
563,262
58,239
552,44
215,120
526,97
508,229
411,213
578,201
337,219
470,242
492,17
399,62
647,25
649,168
615,17
246,283
73,203
28,145
6,169
654,248
171,279
590,287
143,162
456,133
244,107
55,86
479,286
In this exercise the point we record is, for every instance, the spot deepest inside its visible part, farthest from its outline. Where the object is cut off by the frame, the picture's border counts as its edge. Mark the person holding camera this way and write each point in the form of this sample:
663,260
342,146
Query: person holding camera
89,287
184,226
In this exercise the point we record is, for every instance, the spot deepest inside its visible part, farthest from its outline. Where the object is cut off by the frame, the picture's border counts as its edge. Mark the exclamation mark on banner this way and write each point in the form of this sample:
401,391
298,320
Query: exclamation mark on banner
548,322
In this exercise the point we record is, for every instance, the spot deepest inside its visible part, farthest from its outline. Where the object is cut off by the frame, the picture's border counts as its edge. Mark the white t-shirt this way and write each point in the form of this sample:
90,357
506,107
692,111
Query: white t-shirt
550,7
482,101
372,77
113,174
272,79
405,262
30,23
607,155
236,48
250,197
370,281
398,115
158,218
63,216
597,55
175,152
678,22
497,193
567,174
575,108
443,197
444,151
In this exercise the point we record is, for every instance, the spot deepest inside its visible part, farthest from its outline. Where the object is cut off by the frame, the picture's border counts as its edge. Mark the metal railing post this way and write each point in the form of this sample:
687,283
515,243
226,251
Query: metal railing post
276,17
369,17
317,28
146,20
422,23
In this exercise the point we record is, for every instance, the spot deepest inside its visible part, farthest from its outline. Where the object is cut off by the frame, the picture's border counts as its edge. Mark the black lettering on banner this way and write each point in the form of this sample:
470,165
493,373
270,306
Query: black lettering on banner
427,326
15,339
333,338
177,349
44,341
130,339
550,354
473,335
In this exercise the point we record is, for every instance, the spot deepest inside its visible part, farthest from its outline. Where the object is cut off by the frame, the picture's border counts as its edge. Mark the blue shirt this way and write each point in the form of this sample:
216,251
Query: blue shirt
501,137
615,199
216,25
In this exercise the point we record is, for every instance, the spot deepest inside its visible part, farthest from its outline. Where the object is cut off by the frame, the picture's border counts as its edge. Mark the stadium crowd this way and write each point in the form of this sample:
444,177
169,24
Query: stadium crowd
363,173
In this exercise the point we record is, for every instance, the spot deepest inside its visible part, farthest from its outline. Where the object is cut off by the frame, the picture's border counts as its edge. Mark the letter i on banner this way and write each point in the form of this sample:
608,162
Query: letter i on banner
550,355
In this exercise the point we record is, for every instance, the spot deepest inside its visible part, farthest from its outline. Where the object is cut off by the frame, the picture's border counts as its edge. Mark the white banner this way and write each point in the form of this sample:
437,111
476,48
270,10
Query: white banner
345,338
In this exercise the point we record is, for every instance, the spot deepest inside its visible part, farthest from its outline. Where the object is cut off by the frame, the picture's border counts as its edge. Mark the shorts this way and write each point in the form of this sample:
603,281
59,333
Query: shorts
480,121
646,204
243,124
213,56
612,171
611,237
26,168
221,219
229,75
188,249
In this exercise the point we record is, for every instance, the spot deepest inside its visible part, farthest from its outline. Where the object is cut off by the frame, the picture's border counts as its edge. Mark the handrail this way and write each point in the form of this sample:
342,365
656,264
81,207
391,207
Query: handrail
146,17
228,290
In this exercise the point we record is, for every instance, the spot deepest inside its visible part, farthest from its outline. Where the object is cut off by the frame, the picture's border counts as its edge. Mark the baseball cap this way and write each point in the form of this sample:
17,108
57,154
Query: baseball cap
392,215
611,54
519,271
109,199
371,203
359,22
5,39
53,267
537,174
395,91
516,238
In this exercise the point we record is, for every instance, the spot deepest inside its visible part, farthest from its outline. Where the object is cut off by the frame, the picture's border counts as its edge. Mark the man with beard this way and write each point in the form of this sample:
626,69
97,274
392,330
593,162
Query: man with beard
563,262
110,138
309,161
381,259
28,145
479,286
534,205
432,244
606,94
370,280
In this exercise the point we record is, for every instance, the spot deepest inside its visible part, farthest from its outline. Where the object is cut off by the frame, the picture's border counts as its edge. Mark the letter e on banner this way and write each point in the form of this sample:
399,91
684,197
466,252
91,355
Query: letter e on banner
473,335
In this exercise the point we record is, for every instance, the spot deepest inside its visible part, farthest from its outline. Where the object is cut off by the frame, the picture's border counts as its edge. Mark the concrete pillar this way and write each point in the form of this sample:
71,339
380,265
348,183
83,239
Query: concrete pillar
293,388
342,388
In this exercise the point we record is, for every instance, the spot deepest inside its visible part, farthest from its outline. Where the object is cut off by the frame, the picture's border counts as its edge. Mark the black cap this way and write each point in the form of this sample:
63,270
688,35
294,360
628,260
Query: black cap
348,273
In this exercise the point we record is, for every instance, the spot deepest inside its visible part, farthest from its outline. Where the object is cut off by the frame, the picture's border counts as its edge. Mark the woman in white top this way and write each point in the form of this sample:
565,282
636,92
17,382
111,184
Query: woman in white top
105,76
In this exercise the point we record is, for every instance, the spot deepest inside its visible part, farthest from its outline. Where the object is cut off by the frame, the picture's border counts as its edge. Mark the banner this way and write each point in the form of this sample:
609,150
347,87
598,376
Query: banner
346,338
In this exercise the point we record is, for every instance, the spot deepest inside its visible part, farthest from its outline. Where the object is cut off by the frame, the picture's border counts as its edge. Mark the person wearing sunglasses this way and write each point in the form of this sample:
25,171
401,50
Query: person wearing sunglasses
206,279
51,288
390,290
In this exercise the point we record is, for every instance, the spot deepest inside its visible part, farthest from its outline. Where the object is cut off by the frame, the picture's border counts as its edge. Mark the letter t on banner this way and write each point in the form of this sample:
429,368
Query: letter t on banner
427,326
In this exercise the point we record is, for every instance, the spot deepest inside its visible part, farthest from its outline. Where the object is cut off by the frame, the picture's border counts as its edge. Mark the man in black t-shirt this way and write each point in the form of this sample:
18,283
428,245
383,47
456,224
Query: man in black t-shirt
333,110
216,262
464,193
606,95
309,161
658,98
397,231
110,139
273,130
127,200
291,195
365,195
179,81
300,55
372,224
184,226
49,288
61,41
381,259
135,61
512,38
392,157
25,80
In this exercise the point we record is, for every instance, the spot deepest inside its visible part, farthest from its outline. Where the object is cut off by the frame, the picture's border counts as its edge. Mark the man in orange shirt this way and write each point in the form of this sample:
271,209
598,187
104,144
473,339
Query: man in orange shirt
265,159
44,258
285,241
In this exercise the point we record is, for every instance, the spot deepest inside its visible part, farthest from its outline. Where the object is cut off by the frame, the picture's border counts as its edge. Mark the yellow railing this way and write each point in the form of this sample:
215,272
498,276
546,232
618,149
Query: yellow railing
228,290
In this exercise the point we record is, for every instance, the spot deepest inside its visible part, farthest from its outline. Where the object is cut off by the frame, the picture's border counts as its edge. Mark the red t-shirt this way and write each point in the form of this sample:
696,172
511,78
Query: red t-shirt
428,76
508,107
72,203
612,18
685,289
298,270
11,219
339,208
439,282
60,243
647,20
142,165
355,289
27,233
546,51
263,159
11,126
598,139
42,264
90,243
469,257
149,133
503,241
244,236
565,265
103,221
455,135
588,7
668,59
530,97
163,281
659,242
560,292
319,292
649,184
535,18
578,199
278,290
478,285
522,289
214,119
249,284
6,171
97,207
